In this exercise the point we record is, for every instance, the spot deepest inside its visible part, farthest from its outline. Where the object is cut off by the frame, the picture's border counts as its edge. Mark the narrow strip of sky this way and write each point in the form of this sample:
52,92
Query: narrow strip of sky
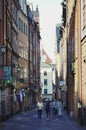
50,13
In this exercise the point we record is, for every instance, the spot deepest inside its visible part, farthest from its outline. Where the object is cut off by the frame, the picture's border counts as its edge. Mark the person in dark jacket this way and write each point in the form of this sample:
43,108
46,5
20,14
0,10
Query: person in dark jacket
48,108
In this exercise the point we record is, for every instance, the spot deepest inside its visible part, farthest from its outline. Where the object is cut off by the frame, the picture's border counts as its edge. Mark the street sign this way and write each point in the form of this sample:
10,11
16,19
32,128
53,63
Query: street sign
62,83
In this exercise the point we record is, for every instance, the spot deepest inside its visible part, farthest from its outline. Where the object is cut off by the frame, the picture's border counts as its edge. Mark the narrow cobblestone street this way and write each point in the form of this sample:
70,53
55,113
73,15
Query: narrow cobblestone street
29,121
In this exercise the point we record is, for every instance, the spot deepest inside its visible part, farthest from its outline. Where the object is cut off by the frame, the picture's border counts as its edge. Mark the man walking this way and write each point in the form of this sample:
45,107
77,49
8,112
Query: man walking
48,108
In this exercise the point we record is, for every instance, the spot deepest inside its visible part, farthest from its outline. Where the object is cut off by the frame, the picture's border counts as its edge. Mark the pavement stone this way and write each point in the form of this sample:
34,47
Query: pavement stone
29,121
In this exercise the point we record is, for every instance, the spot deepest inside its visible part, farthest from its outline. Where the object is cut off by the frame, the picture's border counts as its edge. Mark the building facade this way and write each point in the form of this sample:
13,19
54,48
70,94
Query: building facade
83,49
34,55
75,40
46,76
19,57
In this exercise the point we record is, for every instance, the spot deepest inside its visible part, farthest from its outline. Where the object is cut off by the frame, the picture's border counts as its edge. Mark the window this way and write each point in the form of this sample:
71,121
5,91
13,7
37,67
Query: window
19,23
26,31
24,52
45,91
58,47
84,13
45,81
24,28
45,73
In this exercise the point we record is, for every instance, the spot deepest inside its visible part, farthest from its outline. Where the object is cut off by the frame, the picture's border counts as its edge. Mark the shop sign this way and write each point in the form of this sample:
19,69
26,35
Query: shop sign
5,72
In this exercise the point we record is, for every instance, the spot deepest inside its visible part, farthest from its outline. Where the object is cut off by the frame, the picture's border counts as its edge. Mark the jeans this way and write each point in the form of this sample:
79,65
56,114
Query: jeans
39,113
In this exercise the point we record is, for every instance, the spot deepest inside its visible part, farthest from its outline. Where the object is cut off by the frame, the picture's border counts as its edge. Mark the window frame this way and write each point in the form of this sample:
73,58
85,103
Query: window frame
45,82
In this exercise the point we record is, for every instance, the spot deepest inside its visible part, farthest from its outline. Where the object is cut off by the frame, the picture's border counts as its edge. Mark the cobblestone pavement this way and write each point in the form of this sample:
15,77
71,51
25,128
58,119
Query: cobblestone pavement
29,121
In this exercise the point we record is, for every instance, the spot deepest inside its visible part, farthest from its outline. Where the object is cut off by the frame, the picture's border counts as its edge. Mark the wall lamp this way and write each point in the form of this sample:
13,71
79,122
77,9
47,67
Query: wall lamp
2,49
18,68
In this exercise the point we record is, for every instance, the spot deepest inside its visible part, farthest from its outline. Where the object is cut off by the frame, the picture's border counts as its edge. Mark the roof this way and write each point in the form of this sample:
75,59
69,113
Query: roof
46,59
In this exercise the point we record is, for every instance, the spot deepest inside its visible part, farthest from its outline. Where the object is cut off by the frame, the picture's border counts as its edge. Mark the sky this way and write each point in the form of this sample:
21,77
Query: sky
50,12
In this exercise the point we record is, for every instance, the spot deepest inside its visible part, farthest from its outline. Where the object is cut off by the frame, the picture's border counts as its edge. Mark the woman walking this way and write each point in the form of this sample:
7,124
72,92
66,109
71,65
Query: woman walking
59,106
39,108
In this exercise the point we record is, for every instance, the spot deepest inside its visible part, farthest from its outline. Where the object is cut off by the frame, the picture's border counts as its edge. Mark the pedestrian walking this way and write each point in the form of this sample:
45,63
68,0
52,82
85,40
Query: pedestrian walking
39,108
59,107
47,108
54,108
14,102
